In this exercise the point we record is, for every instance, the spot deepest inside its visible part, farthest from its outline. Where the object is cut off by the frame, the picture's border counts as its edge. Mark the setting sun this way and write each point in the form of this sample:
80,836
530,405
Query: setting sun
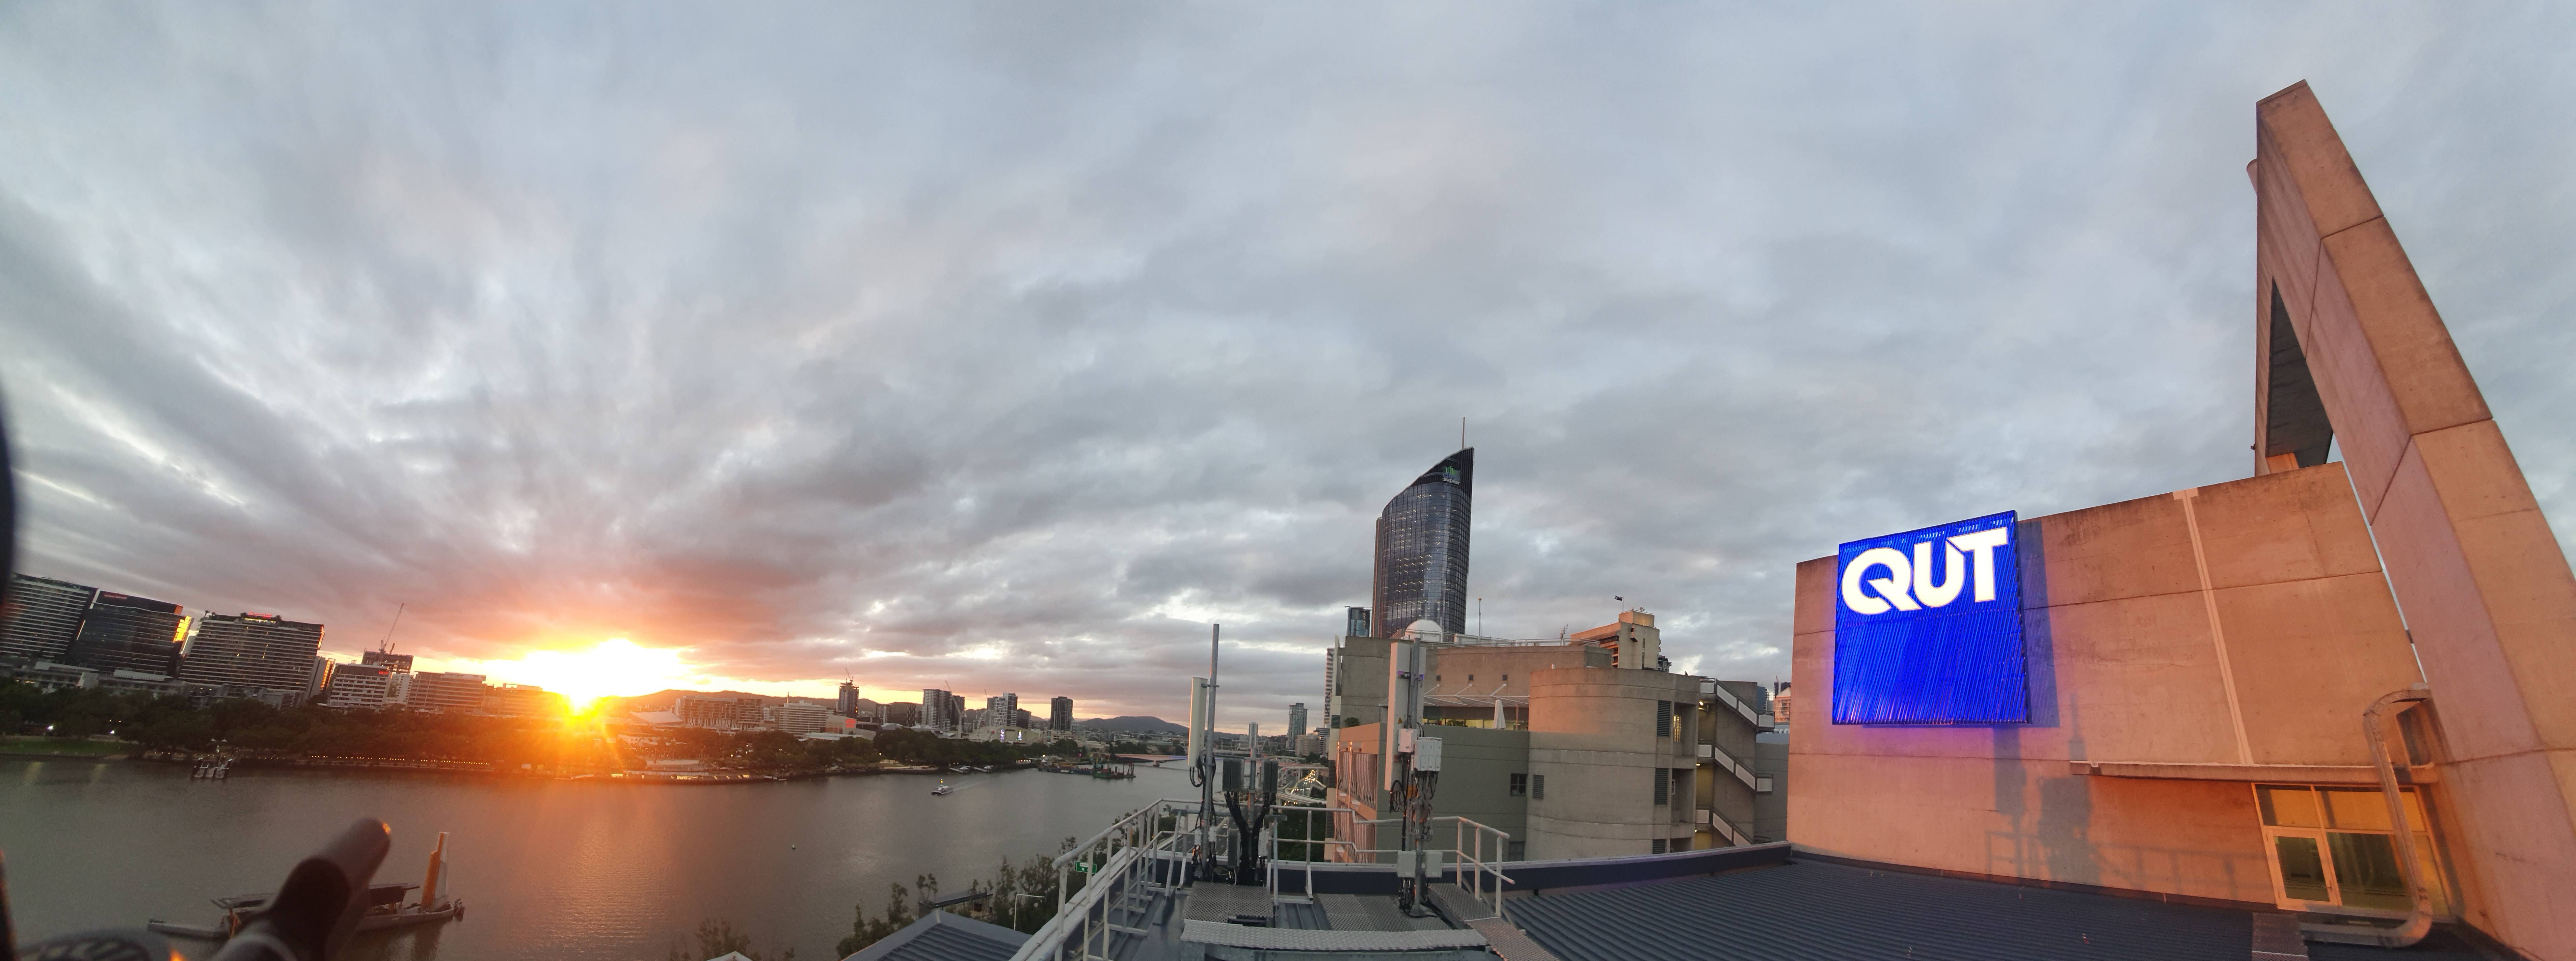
610,668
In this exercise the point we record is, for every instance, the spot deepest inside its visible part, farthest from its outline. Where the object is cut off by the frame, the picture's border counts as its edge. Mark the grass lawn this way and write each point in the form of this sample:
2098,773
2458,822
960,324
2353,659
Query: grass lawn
68,746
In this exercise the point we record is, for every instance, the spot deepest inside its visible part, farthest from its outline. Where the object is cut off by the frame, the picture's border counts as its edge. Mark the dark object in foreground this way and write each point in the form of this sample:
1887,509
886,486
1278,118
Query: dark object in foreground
313,915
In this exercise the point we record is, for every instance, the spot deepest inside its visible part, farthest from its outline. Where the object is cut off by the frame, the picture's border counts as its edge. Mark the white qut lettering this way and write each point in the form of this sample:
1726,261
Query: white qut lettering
1892,587
1939,595
1980,546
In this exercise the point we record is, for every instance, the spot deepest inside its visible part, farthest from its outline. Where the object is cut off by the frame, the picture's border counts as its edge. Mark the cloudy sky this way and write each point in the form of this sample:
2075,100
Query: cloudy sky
1006,347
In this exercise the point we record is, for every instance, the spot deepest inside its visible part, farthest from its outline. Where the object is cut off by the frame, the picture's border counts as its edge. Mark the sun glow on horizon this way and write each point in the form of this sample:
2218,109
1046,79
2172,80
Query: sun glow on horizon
616,667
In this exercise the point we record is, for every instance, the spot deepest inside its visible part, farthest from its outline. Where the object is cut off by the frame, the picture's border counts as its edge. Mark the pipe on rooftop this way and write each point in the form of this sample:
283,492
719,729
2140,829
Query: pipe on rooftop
2419,920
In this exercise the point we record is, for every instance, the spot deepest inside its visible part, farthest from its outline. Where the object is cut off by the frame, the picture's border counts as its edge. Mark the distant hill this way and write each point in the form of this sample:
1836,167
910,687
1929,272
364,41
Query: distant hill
1133,725
662,700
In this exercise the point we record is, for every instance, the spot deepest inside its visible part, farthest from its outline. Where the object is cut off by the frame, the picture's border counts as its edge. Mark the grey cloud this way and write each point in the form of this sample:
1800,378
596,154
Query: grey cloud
797,334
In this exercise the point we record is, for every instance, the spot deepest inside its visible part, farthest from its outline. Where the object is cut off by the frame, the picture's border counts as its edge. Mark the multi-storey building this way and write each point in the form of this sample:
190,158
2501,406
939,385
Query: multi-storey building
253,650
721,713
397,663
525,700
1002,711
900,713
1060,714
1421,569
358,686
1297,720
447,692
800,717
42,617
848,703
123,632
866,710
935,708
1577,748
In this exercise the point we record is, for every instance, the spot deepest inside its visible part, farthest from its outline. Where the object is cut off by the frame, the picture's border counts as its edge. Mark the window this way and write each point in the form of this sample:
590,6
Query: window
2334,846
1520,785
1538,787
1656,846
1663,719
1663,787
1762,784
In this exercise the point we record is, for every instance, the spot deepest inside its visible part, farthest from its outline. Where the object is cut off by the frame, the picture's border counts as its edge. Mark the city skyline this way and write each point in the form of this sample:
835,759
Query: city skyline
760,371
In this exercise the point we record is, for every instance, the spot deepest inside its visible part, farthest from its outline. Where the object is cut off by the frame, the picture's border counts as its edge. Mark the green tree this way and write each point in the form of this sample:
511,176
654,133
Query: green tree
717,938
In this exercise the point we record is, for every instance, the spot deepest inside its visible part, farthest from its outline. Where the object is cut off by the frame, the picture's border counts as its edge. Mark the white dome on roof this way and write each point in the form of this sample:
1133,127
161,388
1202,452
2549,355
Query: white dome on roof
1424,626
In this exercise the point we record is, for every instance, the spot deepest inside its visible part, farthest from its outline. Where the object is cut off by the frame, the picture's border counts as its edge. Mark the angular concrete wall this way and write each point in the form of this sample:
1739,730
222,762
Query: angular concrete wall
2237,627
2486,589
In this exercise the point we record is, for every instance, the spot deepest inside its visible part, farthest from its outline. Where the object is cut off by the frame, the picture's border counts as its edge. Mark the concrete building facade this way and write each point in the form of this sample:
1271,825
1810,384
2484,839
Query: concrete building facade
43,617
2200,660
253,650
1550,742
447,692
359,686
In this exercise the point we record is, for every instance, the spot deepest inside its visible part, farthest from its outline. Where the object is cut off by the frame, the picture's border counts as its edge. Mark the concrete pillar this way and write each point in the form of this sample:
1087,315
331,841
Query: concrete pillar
2485,589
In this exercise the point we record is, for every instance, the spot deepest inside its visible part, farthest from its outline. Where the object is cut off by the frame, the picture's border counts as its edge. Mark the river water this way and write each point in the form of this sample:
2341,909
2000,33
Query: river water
548,869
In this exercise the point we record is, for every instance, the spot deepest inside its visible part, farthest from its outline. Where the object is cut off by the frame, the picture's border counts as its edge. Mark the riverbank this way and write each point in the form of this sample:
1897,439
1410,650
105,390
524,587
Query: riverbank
64,747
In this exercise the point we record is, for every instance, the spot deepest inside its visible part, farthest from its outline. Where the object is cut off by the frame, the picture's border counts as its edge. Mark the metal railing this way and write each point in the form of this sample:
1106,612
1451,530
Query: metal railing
1727,829
1474,881
1709,752
1477,871
1711,689
1316,845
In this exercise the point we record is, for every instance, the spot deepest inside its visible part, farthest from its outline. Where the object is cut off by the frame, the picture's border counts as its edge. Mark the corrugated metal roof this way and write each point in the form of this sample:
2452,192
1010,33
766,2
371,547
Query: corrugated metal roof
941,936
1288,939
1809,909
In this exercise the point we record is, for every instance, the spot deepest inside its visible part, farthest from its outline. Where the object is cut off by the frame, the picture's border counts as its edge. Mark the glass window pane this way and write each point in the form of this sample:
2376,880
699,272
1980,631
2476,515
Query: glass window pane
2303,871
2286,806
2355,807
2365,867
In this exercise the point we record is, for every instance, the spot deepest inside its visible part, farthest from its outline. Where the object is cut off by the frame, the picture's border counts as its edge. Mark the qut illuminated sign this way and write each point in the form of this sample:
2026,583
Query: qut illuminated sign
1927,627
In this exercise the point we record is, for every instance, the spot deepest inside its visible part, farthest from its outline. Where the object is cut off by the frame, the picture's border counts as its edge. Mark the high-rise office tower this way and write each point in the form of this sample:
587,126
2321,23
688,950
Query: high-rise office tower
1422,550
1296,720
849,703
1060,714
123,632
934,708
1001,710
43,617
1355,622
253,650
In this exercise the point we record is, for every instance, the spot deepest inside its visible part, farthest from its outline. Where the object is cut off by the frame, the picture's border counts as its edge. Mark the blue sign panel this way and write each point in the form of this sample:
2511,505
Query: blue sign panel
1927,627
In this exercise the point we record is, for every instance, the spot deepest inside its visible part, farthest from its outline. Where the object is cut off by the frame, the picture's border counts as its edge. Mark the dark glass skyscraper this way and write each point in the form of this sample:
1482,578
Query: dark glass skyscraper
124,633
1422,549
